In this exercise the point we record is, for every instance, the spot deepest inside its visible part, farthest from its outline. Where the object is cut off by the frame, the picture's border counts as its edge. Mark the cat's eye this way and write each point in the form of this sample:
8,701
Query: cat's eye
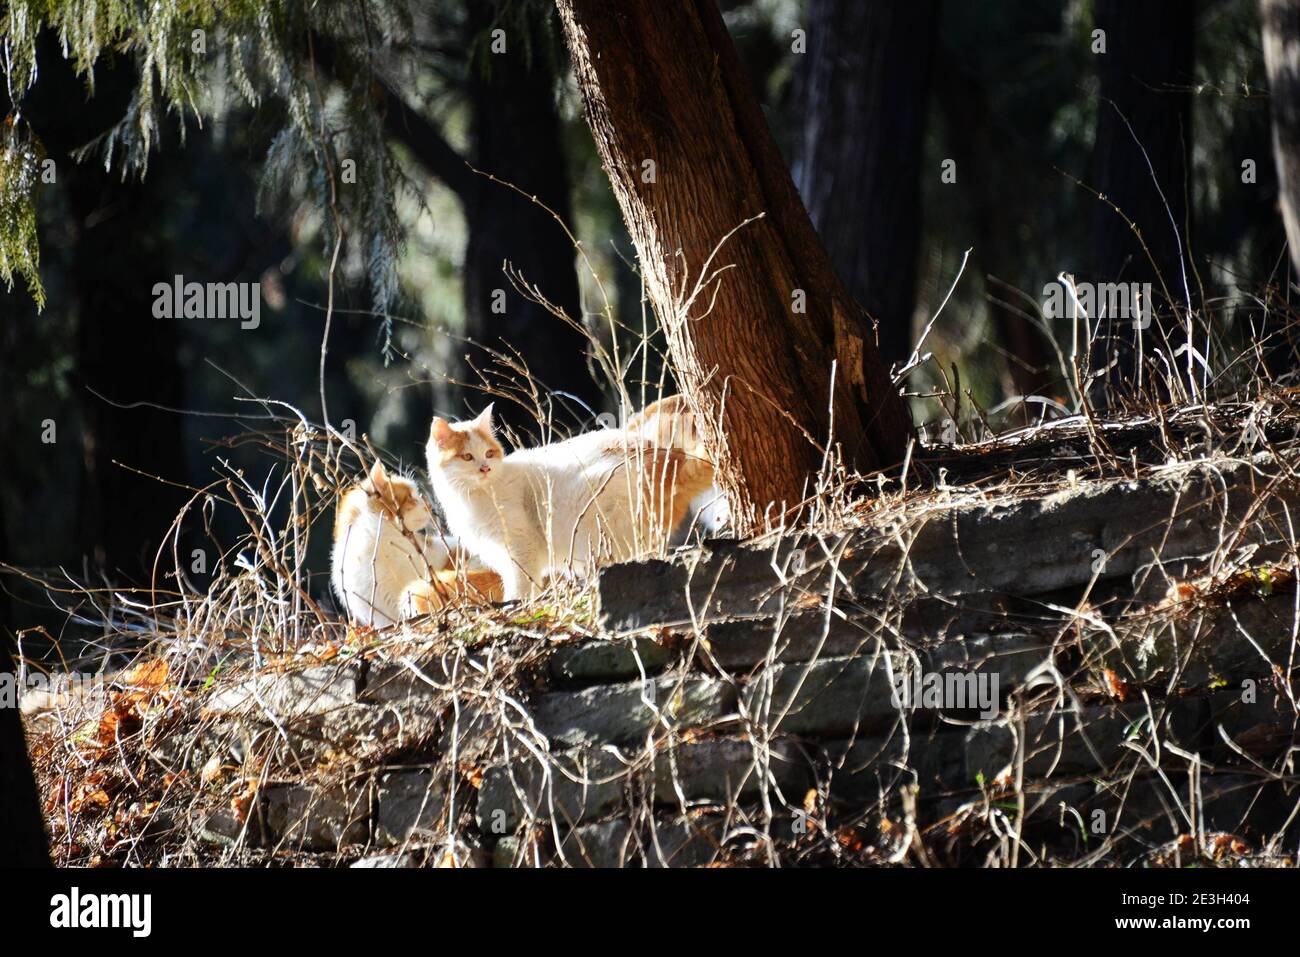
491,453
467,456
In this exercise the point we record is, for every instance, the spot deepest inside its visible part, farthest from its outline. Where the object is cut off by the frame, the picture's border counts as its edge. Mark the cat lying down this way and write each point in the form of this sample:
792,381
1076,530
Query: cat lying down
607,495
386,566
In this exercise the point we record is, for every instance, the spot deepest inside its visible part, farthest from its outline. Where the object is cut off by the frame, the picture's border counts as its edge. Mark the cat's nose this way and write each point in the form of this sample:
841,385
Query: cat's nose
485,469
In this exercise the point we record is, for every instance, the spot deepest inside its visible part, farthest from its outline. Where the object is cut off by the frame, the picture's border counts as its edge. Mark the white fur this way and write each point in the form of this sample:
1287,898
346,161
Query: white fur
373,561
708,515
547,510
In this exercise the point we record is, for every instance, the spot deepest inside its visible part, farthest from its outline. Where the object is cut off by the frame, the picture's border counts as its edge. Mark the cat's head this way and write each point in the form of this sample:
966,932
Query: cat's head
466,453
397,497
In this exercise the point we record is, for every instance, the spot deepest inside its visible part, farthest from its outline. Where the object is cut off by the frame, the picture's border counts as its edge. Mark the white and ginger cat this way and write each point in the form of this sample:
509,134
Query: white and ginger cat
385,569
604,495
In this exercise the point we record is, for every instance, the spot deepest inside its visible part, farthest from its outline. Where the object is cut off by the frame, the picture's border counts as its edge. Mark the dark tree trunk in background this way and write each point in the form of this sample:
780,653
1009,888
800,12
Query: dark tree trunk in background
963,97
22,829
6,548
864,91
119,246
1280,24
124,354
1146,73
1142,154
661,82
517,139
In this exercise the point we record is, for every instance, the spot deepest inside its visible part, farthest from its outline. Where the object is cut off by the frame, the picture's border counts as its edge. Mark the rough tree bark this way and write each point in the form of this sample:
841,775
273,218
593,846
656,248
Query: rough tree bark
864,91
691,160
1280,25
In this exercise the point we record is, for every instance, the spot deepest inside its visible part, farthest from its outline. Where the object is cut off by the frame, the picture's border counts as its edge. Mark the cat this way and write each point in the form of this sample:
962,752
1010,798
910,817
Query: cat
386,568
377,553
609,494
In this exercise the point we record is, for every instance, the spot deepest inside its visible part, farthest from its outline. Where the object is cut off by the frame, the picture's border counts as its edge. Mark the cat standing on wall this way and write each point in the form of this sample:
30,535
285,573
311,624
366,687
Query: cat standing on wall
604,495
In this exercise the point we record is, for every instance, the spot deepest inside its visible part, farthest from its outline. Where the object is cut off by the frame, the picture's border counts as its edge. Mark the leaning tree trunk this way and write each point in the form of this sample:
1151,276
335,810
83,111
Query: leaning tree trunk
1280,23
764,337
864,91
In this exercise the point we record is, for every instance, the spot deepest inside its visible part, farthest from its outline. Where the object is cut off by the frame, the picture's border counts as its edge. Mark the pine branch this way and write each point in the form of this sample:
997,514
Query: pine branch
414,131
426,143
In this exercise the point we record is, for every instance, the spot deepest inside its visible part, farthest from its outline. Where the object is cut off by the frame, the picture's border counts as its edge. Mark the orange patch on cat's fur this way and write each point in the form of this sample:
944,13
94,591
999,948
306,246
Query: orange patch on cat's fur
674,466
450,585
670,479
450,439
349,509
394,497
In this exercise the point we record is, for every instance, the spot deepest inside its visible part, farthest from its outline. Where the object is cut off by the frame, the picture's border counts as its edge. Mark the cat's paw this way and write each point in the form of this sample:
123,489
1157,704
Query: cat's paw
420,598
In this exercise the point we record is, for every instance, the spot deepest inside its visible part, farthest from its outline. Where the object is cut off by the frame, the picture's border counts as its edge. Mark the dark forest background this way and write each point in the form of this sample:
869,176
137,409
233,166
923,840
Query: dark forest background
867,100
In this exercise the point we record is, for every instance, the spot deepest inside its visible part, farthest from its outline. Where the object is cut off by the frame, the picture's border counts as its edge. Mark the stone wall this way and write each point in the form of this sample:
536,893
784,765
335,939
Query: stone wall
738,702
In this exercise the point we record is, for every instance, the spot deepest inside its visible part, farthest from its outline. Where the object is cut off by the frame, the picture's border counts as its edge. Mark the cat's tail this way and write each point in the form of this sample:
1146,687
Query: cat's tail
669,424
669,429
471,586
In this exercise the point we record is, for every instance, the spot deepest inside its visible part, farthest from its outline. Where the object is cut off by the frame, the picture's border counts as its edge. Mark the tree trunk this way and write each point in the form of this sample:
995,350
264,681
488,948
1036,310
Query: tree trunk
962,95
692,163
1280,24
1142,153
864,92
123,354
121,245
517,140
22,829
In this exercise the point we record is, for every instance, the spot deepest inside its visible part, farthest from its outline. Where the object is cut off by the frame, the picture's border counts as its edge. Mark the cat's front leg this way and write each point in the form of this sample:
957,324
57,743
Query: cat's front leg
525,578
514,586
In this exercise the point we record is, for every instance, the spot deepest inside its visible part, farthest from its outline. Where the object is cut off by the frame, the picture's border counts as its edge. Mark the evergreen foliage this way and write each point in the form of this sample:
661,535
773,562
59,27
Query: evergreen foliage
188,56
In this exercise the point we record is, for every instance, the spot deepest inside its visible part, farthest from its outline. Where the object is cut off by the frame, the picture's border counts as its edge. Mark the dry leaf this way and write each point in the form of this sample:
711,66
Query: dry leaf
1119,689
147,675
212,770
90,793
850,838
472,773
242,802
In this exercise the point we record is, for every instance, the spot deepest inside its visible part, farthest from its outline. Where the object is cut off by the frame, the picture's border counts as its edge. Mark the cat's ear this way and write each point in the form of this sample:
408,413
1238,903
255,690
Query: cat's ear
379,476
440,432
483,422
